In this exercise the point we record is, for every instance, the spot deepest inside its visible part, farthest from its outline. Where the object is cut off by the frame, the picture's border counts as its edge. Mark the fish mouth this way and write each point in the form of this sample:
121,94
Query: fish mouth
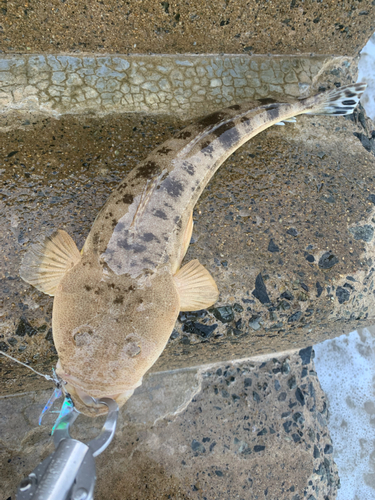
87,403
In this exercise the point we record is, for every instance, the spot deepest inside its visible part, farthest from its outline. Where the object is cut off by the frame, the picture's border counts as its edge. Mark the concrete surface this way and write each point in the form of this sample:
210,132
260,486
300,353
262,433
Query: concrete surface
251,429
225,26
285,227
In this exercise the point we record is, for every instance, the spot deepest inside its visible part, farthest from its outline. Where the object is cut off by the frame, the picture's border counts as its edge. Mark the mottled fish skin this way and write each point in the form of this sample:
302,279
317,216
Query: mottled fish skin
114,310
172,178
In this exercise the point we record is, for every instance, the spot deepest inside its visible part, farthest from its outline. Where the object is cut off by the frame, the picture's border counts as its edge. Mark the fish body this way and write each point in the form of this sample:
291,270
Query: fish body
117,300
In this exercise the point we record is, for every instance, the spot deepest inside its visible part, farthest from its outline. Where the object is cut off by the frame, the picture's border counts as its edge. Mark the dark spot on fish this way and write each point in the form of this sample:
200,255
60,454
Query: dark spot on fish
95,239
176,219
273,113
266,100
164,150
244,119
114,222
128,199
97,291
122,186
184,134
131,288
119,299
160,214
349,102
148,170
207,148
189,168
236,107
111,285
212,119
349,93
148,237
146,260
87,287
135,247
228,134
173,187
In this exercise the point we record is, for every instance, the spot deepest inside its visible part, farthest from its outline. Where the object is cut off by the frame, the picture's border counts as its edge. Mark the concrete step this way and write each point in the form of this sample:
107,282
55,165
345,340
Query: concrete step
246,429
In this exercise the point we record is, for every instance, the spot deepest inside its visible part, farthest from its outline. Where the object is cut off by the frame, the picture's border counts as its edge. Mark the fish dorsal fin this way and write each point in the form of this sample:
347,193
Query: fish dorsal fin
46,262
196,287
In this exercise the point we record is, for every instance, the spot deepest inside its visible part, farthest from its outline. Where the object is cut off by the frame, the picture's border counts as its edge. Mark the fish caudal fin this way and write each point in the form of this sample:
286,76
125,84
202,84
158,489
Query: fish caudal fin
336,102
46,263
196,287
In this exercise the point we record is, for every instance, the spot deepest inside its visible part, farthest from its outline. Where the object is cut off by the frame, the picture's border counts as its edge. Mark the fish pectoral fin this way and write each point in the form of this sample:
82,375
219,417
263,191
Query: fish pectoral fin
46,262
196,287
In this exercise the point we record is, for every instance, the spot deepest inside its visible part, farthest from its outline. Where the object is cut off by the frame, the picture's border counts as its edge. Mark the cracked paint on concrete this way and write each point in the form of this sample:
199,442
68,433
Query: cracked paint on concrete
58,84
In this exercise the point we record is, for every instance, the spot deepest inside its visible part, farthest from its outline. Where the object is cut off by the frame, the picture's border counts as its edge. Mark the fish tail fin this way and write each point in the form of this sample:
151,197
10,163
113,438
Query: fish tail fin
336,102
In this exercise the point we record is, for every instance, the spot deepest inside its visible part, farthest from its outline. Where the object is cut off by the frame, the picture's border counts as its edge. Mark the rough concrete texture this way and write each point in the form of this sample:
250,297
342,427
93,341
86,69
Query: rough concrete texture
285,227
255,429
241,26
186,85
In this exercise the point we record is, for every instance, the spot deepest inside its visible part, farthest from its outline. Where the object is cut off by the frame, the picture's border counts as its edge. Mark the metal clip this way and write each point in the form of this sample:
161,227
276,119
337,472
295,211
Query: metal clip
69,472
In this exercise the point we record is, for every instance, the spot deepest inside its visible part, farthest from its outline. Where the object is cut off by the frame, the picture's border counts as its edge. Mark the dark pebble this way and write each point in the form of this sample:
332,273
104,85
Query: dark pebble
259,447
3,347
12,341
295,317
272,247
328,449
371,197
316,452
277,385
292,231
296,438
299,396
304,373
191,315
237,307
306,354
292,384
319,289
223,314
298,418
305,287
285,367
363,233
310,258
212,445
327,260
287,295
262,432
260,291
197,447
342,294
287,426
25,327
256,397
282,396
174,334
219,473
204,331
247,382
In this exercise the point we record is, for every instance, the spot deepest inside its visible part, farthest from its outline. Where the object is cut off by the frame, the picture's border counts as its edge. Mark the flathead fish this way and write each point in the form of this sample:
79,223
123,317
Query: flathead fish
116,301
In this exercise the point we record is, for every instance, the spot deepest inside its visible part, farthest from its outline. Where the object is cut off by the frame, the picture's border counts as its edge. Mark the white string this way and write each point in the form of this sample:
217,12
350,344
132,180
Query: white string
48,377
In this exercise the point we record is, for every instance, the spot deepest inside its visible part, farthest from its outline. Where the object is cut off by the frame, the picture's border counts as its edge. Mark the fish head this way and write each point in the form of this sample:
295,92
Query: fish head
109,330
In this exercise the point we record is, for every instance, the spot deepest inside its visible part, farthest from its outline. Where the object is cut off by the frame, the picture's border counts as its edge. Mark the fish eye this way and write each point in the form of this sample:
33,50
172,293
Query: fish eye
82,335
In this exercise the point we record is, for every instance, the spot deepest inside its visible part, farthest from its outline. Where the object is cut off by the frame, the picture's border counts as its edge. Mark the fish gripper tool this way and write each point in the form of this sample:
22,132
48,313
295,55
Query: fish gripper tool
69,472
